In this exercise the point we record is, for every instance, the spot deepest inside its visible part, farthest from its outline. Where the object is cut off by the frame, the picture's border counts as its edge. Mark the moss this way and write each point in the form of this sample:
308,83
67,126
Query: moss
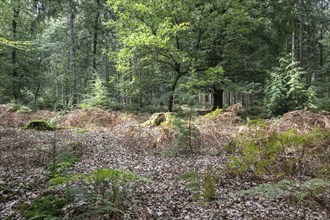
170,118
39,125
81,130
214,113
161,119
259,122
268,190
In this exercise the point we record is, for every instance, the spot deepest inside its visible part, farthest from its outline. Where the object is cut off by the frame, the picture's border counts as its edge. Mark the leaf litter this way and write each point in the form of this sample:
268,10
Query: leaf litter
125,145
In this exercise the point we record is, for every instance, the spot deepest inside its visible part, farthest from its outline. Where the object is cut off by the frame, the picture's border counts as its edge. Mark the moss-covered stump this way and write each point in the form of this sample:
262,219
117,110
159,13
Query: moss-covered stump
39,125
160,118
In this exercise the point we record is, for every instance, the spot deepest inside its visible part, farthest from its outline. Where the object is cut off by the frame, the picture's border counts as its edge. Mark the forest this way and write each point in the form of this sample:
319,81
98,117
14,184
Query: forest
169,109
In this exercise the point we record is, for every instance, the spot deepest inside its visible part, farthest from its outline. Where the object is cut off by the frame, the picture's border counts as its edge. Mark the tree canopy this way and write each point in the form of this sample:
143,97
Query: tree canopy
149,52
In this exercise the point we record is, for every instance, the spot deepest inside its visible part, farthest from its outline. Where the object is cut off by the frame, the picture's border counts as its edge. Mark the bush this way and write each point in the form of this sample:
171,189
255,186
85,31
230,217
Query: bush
280,189
99,96
63,161
314,189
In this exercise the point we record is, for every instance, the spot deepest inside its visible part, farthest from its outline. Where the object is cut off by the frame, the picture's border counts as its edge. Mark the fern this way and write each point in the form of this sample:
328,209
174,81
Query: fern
266,153
202,184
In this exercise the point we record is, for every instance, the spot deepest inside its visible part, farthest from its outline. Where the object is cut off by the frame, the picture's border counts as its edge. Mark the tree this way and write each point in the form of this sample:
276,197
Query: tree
17,33
156,35
287,88
99,96
177,38
211,81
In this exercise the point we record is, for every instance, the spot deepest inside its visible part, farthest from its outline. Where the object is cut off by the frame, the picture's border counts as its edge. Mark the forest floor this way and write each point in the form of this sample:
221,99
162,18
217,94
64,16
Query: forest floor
107,140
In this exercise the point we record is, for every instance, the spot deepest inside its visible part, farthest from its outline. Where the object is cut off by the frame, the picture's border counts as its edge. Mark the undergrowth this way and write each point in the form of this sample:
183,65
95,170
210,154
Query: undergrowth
63,161
47,207
315,189
186,138
202,184
268,153
102,192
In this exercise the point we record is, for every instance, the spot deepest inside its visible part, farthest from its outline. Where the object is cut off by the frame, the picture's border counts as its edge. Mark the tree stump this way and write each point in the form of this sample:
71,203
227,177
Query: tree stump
39,125
158,118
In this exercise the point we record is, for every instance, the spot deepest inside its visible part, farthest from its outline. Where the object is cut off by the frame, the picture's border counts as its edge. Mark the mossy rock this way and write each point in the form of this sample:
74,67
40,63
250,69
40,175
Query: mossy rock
39,125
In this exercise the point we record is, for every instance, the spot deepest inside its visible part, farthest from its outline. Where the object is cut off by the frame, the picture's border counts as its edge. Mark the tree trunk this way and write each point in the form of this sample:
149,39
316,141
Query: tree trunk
71,58
15,86
217,99
96,24
36,95
107,70
321,47
301,36
293,46
171,97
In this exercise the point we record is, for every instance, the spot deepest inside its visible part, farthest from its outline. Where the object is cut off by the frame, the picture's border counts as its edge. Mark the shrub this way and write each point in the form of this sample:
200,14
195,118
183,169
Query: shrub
314,189
63,161
259,122
14,106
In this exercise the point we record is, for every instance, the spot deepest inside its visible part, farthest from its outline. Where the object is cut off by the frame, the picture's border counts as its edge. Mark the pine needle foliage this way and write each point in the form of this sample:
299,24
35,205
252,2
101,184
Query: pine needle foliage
99,96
